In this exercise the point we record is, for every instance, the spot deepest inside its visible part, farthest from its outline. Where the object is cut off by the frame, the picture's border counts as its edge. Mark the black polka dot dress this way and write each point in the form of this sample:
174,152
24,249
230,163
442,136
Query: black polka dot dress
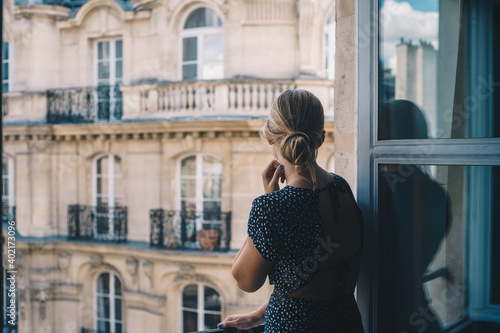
285,227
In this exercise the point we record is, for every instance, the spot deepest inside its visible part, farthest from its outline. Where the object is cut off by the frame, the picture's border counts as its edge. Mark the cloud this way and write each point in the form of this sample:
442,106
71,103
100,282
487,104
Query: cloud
400,20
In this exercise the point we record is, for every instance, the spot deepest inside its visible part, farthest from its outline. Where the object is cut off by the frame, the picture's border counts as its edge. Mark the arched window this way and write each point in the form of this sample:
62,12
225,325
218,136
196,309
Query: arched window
330,46
108,304
108,195
201,308
108,181
201,180
200,196
201,46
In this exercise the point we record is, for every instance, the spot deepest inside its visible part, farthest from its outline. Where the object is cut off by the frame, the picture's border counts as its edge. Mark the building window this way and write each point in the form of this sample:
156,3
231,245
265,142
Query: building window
201,308
6,66
7,188
435,187
108,193
109,72
108,304
330,46
201,46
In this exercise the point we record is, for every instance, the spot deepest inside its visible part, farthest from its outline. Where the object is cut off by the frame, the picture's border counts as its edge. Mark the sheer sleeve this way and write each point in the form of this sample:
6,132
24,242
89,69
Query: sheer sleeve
262,229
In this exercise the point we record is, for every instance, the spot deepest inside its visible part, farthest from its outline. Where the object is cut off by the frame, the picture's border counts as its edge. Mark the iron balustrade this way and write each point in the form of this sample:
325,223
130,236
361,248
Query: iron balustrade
97,223
8,213
84,104
258,329
209,231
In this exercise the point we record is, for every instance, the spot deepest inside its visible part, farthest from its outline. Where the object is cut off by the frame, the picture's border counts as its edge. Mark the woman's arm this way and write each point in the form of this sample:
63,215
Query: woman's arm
245,321
250,269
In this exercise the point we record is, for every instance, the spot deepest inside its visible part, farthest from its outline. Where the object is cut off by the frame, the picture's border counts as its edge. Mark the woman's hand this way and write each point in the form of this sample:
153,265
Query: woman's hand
271,176
245,321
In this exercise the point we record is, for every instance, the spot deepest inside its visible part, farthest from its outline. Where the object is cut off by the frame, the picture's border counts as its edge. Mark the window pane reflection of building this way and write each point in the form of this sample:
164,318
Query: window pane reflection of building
425,58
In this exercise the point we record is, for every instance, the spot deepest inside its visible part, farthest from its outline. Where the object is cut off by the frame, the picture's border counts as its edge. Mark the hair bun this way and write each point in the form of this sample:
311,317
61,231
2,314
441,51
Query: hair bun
296,147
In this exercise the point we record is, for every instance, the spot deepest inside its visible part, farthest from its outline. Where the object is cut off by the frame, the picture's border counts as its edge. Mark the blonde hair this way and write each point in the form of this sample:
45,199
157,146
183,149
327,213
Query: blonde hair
295,124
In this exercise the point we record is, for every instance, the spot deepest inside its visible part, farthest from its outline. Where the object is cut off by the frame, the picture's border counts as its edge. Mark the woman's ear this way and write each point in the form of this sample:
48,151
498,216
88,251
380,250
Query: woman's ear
322,139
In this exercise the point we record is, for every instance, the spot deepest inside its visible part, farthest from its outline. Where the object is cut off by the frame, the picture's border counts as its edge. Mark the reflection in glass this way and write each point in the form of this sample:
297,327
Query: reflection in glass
212,299
190,296
189,49
202,17
425,215
188,166
424,59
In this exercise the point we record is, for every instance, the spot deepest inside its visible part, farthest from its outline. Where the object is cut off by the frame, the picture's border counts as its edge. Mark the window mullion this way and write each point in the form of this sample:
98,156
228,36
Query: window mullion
201,307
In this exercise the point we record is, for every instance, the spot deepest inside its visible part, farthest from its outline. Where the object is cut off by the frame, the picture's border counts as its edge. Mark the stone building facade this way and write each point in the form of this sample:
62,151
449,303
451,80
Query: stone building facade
131,152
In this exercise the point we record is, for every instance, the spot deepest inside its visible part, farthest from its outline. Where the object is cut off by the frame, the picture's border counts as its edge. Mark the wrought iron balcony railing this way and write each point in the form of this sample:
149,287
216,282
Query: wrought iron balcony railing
206,231
97,223
85,104
258,329
8,213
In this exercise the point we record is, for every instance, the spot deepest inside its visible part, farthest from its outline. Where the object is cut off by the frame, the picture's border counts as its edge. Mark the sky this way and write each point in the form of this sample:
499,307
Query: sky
410,19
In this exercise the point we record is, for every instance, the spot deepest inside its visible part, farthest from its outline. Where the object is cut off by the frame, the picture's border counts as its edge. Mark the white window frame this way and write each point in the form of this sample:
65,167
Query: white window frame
10,180
112,297
200,34
199,200
9,62
113,80
329,48
372,153
112,178
201,312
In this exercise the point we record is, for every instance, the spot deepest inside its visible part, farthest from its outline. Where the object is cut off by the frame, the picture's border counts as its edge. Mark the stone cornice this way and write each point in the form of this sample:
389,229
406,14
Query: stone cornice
41,11
153,130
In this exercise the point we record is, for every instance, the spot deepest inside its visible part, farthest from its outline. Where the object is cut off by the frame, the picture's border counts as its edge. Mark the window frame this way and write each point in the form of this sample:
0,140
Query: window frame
329,48
10,180
112,298
372,152
199,177
113,81
200,34
201,305
8,60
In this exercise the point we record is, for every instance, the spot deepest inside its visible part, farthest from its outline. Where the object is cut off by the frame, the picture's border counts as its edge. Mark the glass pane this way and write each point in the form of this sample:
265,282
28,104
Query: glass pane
118,166
103,306
103,326
190,49
202,17
212,300
103,70
423,78
5,86
212,188
211,208
212,70
188,207
212,47
211,321
118,328
103,50
118,69
118,286
118,50
432,219
189,72
495,236
188,166
118,309
188,188
5,71
190,296
496,69
190,321
103,283
211,166
5,50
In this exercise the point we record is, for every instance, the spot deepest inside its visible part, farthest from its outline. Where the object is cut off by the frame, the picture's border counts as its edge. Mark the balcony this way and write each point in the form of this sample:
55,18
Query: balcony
258,329
8,213
207,231
97,223
101,103
215,99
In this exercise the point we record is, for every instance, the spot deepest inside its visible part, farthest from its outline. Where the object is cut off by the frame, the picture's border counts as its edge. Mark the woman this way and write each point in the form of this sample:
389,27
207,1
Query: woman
306,237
